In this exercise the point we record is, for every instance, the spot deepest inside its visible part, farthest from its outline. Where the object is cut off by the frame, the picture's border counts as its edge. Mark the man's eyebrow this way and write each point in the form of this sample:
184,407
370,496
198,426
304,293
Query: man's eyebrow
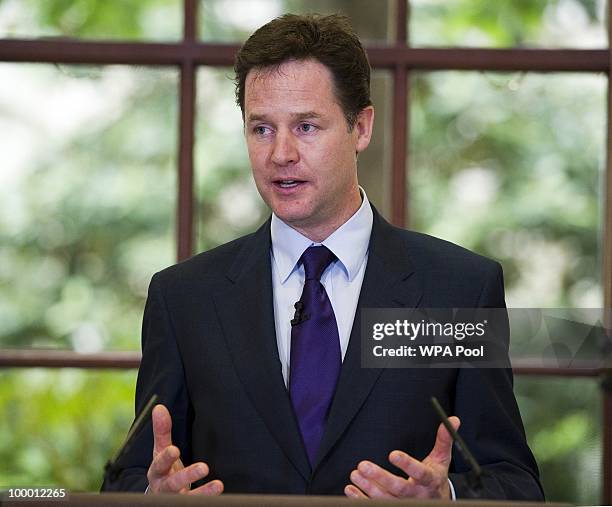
307,115
257,117
295,116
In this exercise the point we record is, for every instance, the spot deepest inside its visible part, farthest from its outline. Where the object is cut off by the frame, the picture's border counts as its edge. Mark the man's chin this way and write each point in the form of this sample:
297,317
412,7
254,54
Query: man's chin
293,214
295,220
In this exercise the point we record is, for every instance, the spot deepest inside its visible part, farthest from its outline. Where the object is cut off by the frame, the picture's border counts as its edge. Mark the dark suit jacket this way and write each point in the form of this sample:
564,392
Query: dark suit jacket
210,353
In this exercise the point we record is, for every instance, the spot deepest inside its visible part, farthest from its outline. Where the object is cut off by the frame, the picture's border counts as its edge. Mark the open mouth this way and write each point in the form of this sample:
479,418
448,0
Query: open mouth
288,183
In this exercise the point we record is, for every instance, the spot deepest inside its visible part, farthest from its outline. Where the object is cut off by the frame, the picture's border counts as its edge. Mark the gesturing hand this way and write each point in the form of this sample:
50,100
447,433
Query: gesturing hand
426,479
167,473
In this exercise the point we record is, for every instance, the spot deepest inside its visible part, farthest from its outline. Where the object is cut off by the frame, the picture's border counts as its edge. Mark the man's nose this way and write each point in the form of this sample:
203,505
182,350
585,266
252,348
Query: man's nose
284,150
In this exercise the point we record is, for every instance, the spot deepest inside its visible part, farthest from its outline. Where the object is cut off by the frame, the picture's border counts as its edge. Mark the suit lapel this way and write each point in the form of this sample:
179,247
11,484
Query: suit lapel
389,281
246,312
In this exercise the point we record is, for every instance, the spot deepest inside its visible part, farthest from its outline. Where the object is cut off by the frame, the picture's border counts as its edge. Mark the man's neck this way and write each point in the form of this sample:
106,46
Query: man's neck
321,232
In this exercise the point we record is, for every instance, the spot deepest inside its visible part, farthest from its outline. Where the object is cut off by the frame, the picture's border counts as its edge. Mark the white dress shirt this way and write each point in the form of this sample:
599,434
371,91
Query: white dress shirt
342,279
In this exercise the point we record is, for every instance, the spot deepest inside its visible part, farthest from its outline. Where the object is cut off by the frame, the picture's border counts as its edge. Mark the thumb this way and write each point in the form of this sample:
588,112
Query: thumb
442,450
162,429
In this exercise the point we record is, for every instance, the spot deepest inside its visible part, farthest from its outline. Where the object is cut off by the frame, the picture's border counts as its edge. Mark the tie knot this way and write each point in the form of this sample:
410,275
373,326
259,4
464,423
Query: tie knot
315,260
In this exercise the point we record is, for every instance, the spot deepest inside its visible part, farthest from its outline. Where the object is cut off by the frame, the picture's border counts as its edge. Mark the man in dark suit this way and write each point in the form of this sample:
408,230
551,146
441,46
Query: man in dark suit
254,400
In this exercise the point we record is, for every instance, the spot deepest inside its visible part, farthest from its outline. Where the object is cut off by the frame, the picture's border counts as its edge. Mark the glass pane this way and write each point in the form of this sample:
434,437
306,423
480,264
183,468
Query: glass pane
87,197
511,166
58,427
562,419
228,202
235,20
92,19
544,23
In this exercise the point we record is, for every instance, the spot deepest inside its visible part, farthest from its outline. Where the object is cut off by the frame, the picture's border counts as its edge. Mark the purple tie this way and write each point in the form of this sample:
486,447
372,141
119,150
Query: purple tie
315,352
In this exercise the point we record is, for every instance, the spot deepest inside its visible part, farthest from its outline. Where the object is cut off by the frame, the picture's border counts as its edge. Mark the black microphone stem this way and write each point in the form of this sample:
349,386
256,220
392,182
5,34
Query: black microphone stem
474,476
110,470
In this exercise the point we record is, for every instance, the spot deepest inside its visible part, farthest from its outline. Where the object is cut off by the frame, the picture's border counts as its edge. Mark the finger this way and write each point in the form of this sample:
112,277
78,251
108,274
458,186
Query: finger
162,463
209,489
418,471
353,492
369,487
183,478
162,429
442,450
387,481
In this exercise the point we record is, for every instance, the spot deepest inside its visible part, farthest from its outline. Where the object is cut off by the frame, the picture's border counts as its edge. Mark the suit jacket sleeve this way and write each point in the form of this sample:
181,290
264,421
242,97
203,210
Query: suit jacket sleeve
492,426
161,373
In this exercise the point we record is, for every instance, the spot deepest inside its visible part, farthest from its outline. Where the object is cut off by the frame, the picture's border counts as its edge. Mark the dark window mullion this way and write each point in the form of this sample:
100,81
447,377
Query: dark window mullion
190,20
399,166
185,191
185,199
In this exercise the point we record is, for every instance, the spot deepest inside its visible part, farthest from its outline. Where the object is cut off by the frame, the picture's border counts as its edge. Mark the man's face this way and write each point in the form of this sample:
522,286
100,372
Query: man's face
302,154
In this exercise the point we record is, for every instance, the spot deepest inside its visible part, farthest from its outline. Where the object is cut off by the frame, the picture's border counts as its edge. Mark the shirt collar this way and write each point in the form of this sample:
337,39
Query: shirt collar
349,242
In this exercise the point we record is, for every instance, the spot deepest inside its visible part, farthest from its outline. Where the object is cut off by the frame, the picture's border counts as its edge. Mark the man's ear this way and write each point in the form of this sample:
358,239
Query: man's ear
363,127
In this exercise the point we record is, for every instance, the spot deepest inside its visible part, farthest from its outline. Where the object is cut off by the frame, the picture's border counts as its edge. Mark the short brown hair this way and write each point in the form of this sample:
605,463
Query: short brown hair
328,39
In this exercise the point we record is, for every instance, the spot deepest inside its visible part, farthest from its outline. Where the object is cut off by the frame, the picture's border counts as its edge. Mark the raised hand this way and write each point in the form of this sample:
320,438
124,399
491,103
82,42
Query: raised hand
167,474
426,479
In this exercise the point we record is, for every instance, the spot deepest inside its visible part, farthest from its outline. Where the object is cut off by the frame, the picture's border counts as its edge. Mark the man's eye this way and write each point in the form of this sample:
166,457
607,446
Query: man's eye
260,131
307,128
